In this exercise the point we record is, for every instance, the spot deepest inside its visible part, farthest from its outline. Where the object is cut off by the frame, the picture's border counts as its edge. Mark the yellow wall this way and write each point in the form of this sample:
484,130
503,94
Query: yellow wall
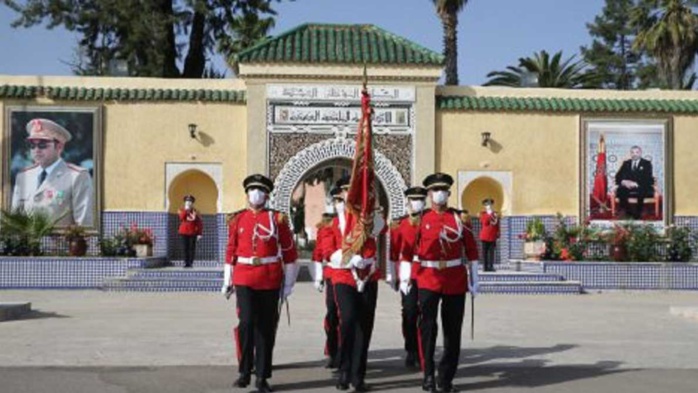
195,183
540,150
480,189
685,165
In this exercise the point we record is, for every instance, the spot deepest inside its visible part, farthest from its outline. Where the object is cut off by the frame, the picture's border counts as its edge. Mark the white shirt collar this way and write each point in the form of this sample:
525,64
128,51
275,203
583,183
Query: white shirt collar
52,167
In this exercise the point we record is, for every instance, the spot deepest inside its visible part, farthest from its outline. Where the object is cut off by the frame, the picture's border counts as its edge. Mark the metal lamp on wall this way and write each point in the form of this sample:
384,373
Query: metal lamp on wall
486,138
192,130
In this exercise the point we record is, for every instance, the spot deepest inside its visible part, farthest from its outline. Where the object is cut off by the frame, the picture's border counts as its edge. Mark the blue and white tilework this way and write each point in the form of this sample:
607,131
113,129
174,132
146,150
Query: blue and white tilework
206,249
112,221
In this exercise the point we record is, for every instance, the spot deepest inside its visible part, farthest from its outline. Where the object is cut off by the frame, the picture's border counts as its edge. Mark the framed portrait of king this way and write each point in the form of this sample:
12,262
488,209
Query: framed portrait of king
53,163
625,170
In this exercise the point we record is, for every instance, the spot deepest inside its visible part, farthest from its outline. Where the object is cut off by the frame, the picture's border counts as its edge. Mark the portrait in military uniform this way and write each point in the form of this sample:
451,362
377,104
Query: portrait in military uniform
625,170
52,163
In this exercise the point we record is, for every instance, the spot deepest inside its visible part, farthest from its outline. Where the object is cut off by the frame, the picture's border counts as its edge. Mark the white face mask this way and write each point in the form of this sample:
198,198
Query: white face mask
339,207
256,197
439,197
417,205
488,208
187,205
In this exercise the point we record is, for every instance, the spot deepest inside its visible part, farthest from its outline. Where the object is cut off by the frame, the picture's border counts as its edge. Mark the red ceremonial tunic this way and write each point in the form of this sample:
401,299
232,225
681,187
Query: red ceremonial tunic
431,246
409,227
344,276
190,223
244,241
489,232
323,240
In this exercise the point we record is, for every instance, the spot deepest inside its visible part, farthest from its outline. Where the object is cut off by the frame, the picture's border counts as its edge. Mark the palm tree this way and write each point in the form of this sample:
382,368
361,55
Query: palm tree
247,30
448,13
668,31
543,71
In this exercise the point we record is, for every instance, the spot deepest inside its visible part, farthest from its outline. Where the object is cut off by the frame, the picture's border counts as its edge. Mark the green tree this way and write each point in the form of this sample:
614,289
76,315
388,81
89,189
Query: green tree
246,31
610,55
668,31
448,10
543,71
151,36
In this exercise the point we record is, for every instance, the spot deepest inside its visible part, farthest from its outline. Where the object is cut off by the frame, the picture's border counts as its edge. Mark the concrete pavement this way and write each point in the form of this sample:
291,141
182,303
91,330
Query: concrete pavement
181,342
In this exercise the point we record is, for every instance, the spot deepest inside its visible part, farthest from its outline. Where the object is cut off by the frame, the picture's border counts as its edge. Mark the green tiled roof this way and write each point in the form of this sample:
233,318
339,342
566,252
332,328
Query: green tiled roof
555,104
340,44
118,94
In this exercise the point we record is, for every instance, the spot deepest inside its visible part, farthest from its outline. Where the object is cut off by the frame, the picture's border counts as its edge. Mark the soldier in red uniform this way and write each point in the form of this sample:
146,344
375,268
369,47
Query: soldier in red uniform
259,267
489,233
190,229
404,234
443,242
323,281
356,292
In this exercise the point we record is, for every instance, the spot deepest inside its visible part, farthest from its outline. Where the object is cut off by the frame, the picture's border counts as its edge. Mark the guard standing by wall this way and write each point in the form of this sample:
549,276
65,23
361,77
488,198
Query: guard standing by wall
260,266
443,242
191,228
489,233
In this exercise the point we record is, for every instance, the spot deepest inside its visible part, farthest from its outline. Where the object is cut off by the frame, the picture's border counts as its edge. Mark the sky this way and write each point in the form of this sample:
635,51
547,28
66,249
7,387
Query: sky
492,34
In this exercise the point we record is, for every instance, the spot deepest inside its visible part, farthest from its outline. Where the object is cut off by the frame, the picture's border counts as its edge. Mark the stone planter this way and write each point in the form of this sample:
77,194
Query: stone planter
534,250
143,250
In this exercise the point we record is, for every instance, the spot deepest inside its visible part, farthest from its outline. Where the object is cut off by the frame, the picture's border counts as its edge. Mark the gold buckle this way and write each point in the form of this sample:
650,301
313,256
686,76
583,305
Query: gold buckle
442,265
256,261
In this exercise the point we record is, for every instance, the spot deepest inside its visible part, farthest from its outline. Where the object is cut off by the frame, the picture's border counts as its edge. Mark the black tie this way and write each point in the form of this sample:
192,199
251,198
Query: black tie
42,177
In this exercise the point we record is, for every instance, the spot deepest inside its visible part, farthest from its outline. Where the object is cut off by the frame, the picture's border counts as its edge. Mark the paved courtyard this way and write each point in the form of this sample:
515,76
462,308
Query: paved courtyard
90,341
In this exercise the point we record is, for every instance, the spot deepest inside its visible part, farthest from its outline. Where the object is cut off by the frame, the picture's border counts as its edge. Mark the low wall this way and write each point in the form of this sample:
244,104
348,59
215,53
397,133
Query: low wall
66,273
627,275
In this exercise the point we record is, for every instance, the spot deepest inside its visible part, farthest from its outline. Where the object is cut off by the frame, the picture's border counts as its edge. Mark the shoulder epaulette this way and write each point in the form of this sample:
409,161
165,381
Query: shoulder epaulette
395,222
234,214
76,167
281,218
29,167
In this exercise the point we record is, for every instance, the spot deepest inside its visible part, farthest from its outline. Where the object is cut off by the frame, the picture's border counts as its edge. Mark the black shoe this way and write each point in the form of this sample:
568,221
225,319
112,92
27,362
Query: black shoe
330,363
187,266
361,387
263,386
243,381
343,381
411,360
428,384
449,388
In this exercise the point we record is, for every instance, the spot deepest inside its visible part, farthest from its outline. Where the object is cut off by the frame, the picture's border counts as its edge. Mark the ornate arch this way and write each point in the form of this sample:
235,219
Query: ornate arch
307,159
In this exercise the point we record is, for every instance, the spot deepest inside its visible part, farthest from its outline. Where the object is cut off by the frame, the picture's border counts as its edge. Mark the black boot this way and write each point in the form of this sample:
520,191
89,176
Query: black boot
243,381
343,381
361,387
263,386
428,384
449,388
411,360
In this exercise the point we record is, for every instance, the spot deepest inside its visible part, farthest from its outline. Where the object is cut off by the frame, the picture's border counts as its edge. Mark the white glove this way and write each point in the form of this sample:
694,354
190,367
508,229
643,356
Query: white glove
317,276
389,279
336,258
358,262
227,279
290,275
474,284
199,237
405,287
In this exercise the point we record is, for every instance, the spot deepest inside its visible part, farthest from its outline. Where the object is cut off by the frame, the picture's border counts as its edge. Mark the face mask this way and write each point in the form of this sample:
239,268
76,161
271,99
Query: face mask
339,207
256,197
187,205
488,208
439,197
417,205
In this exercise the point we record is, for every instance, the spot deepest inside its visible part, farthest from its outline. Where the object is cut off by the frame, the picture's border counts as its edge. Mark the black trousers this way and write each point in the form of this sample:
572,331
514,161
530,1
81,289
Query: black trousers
331,323
452,310
488,249
357,311
410,312
256,330
625,193
189,244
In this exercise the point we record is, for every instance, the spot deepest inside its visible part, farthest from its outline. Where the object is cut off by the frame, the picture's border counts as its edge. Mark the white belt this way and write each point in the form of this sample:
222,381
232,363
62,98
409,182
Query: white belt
367,261
441,264
256,261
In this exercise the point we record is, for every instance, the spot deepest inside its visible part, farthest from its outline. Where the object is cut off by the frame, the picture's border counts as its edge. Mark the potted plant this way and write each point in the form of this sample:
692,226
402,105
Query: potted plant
679,241
534,240
141,240
22,231
75,236
618,239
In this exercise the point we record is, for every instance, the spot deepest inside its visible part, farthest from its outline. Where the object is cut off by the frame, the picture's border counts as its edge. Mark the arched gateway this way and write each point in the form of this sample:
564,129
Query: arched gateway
305,160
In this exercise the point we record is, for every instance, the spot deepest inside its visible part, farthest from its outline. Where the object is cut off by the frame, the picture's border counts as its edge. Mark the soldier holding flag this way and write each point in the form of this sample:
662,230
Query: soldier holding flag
444,239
